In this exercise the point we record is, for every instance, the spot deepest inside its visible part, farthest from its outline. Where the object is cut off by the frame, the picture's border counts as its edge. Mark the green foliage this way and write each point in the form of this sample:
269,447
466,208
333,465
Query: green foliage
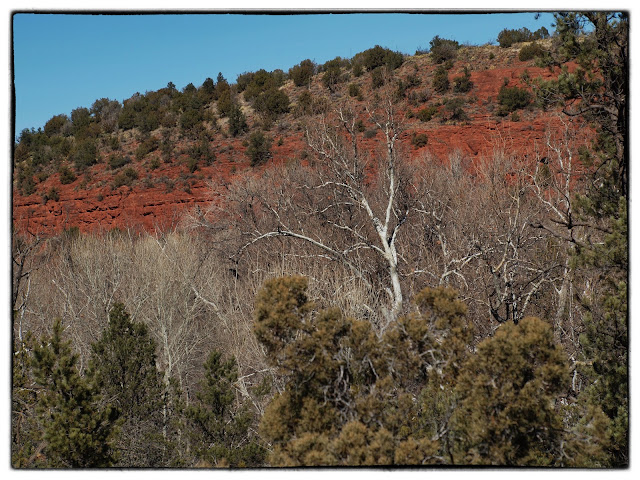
443,50
506,414
453,110
80,121
463,83
219,431
85,154
508,37
66,175
332,73
147,146
351,396
56,125
105,113
378,57
259,149
426,114
605,339
253,84
237,121
24,180
354,90
26,431
116,161
440,81
52,194
531,51
377,78
78,430
123,366
272,103
419,140
225,102
512,99
126,177
201,152
302,73
304,105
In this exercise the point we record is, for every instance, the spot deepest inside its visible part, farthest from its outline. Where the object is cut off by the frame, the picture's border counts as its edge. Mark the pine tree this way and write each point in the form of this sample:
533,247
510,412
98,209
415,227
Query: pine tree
78,429
219,431
123,364
597,90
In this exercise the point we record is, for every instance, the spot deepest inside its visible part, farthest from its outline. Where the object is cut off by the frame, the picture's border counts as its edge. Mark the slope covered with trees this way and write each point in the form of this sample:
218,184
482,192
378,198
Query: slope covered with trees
383,260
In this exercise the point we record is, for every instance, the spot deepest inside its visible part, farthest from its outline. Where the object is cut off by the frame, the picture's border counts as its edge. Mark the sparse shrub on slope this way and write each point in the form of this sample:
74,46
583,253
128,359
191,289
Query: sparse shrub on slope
463,83
533,50
508,37
259,149
302,73
512,99
441,80
443,50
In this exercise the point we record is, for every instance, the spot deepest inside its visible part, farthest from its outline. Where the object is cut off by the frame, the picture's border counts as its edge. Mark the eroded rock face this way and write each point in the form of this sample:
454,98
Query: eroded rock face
159,197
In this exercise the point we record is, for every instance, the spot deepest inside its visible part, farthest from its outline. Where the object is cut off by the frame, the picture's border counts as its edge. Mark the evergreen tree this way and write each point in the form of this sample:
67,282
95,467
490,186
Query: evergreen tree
219,431
597,90
26,429
123,364
237,121
506,413
352,397
259,149
79,430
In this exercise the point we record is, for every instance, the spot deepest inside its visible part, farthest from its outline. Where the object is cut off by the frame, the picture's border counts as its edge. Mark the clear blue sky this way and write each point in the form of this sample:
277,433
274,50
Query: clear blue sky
65,61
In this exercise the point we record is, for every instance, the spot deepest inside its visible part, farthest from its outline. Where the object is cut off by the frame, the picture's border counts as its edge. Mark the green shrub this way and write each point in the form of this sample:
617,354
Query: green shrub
426,114
377,78
370,133
508,37
127,177
454,111
512,98
237,121
419,140
441,80
531,51
259,149
116,161
225,103
302,73
332,73
379,56
66,175
272,103
85,154
55,125
443,50
305,103
463,83
354,90
147,146
53,194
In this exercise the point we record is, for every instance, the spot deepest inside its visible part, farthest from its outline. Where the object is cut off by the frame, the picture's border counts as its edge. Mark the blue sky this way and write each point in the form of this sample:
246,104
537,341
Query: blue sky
65,61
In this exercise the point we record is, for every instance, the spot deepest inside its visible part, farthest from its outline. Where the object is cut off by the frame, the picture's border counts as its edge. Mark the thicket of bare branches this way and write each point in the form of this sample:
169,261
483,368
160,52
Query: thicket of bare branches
368,224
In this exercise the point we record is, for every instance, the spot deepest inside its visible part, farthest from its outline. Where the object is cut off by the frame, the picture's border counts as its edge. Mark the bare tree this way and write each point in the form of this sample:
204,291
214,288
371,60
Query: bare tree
347,205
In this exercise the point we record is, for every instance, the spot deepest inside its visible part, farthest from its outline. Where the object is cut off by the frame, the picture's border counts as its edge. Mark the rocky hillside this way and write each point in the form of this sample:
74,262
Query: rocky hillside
154,156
